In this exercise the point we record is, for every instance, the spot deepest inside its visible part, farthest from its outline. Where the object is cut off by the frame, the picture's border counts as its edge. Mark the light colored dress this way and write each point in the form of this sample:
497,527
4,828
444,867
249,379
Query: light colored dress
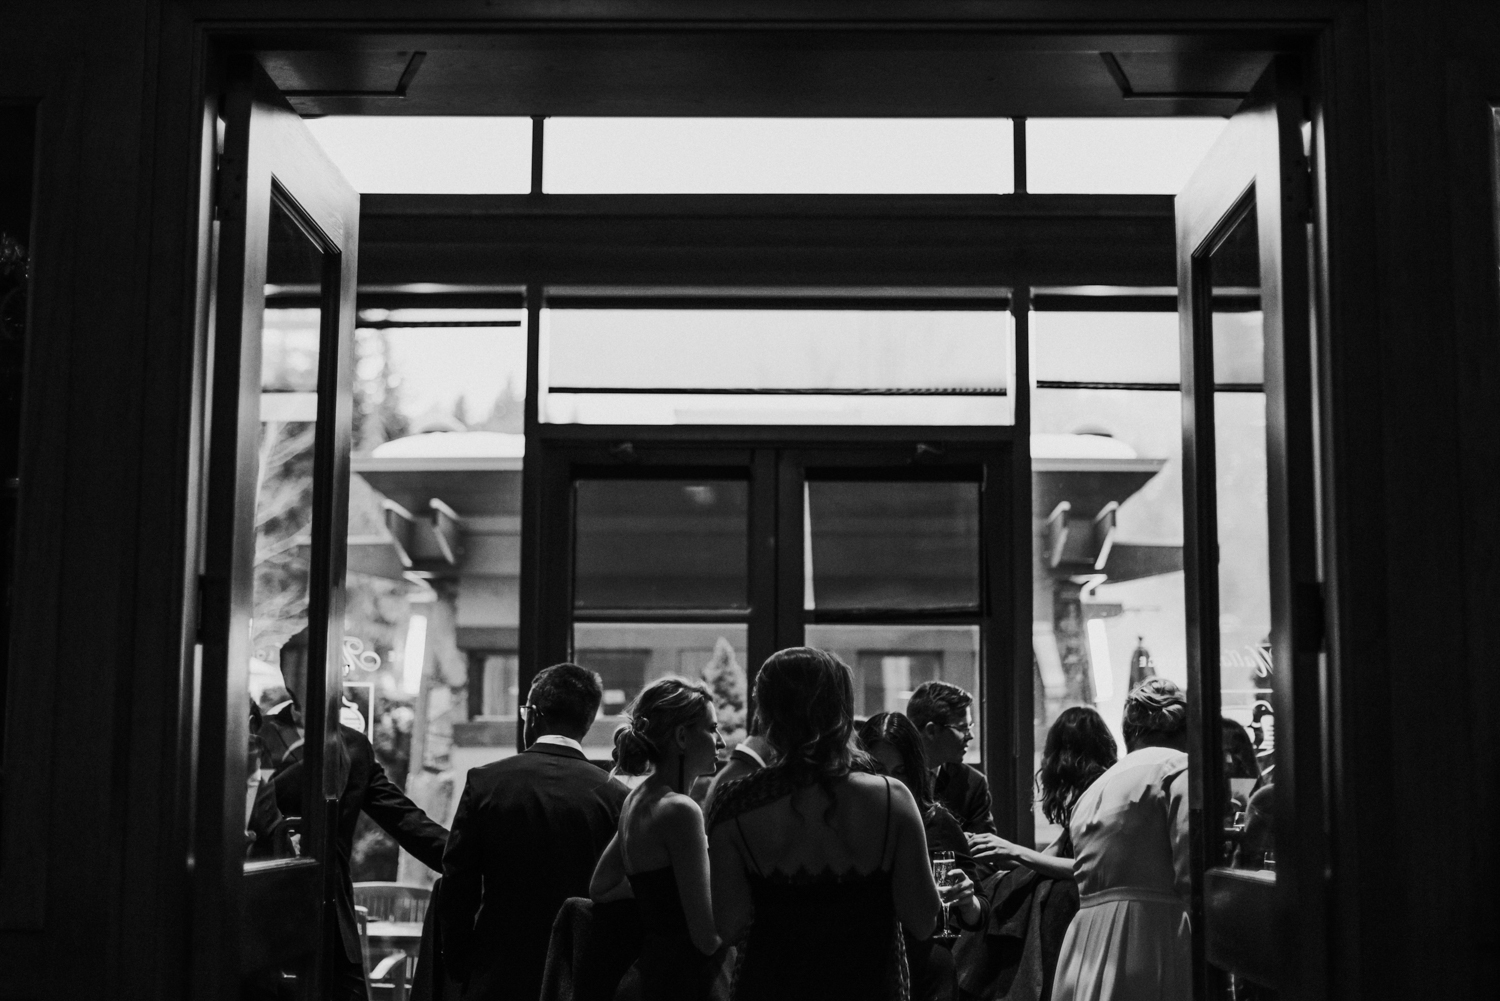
1130,940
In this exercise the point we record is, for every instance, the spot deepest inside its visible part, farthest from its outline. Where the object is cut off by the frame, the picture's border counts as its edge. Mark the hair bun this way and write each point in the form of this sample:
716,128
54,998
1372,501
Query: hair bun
633,749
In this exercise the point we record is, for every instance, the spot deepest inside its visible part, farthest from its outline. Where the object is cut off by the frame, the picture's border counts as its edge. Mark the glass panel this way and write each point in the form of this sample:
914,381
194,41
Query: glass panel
1099,627
778,156
433,582
658,544
813,366
629,656
1246,672
17,168
1068,346
890,661
469,155
279,670
891,545
1102,156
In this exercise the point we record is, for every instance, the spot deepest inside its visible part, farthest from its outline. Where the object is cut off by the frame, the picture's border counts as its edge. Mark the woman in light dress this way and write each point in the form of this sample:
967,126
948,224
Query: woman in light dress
1130,940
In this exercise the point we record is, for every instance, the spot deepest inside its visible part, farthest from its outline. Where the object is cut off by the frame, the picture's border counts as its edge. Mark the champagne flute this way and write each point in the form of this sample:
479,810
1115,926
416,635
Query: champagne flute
942,864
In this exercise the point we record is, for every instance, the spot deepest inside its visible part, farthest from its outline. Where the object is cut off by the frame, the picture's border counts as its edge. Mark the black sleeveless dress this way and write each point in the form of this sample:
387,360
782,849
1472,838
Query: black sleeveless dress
816,935
671,968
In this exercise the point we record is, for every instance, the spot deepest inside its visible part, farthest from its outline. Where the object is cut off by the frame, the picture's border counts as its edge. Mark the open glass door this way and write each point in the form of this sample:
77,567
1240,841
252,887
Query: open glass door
1251,542
270,766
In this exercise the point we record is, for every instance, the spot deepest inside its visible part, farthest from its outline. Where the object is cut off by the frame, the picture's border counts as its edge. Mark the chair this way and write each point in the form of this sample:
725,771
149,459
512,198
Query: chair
388,979
406,902
402,903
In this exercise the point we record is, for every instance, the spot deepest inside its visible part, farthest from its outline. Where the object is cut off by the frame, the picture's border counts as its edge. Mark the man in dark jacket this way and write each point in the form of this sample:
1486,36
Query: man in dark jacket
366,789
528,833
944,715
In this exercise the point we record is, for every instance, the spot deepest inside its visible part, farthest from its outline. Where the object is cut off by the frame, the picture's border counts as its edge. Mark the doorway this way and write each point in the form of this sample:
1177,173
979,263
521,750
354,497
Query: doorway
790,524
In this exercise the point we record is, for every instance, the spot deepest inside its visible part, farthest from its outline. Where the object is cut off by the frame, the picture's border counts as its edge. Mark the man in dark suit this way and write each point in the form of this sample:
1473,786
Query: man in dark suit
944,715
528,833
366,789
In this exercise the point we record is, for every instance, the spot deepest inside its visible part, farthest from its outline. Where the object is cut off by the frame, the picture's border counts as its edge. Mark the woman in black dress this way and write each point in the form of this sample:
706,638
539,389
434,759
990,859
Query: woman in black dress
660,852
817,862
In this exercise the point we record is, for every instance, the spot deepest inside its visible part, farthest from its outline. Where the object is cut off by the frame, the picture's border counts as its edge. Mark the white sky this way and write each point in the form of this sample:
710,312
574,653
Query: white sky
484,155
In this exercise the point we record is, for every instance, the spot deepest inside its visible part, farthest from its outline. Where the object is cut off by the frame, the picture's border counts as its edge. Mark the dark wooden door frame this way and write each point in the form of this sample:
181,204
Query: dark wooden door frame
192,31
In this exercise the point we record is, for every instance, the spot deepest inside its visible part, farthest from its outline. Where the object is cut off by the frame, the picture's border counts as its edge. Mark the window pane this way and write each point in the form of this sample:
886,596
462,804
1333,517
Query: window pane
661,544
1094,448
434,391
778,156
501,681
1102,156
889,662
1069,346
277,788
629,656
707,366
891,545
468,155
1246,672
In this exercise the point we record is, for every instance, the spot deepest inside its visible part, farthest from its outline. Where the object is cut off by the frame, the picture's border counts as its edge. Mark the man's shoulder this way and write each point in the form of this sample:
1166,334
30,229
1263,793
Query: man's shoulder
527,768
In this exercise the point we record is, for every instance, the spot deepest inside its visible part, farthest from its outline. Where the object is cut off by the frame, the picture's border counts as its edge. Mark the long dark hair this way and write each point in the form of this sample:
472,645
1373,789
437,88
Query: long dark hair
804,702
1079,749
902,734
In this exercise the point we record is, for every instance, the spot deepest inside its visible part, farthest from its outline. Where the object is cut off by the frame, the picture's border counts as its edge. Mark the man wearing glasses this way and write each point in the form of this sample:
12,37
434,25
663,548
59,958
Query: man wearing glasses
944,715
528,833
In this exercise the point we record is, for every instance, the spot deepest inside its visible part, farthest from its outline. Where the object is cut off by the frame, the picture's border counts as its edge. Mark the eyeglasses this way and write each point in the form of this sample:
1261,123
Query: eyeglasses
528,710
962,729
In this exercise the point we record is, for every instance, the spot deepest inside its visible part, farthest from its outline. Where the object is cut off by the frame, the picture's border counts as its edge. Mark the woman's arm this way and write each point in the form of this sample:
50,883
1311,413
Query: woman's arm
733,909
916,895
610,882
687,846
1007,854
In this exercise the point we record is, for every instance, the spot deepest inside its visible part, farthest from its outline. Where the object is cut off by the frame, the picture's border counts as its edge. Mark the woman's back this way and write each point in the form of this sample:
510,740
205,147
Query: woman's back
818,864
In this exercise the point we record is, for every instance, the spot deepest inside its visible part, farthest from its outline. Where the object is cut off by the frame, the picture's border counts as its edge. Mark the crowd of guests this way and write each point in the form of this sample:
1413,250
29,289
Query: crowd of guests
798,865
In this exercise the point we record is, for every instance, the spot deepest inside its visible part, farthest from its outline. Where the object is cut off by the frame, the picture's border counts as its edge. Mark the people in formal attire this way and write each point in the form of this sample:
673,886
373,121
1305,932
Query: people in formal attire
527,835
944,715
896,747
748,756
817,862
1032,902
1130,937
893,743
660,850
1079,749
364,788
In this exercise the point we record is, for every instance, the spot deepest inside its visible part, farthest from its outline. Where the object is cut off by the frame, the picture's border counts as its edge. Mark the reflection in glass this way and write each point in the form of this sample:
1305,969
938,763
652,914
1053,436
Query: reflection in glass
278,669
661,544
1246,670
891,545
631,655
778,156
890,661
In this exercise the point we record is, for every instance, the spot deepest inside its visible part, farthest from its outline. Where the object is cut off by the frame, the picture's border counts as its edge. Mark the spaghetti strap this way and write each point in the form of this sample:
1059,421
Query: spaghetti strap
746,842
885,842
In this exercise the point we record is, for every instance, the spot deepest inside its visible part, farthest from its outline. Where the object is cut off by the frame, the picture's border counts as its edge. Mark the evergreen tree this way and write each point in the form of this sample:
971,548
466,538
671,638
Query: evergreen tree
726,679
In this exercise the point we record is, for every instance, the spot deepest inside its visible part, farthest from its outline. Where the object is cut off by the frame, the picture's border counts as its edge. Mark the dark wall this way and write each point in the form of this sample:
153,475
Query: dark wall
93,837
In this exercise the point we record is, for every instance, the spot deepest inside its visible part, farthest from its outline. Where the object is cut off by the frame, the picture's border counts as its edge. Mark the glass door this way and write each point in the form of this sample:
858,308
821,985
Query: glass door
896,559
270,766
1251,542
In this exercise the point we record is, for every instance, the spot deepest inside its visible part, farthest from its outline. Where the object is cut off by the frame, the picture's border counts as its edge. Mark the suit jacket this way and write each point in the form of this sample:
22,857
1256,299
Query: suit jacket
367,789
966,793
528,833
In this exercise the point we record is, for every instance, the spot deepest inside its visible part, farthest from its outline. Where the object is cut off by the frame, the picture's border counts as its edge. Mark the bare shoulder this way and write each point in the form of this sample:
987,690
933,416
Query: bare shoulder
675,810
875,790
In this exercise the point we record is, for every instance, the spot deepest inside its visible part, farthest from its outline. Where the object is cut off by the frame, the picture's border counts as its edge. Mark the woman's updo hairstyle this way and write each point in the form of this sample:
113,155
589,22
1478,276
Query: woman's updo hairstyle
1156,710
655,716
804,701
